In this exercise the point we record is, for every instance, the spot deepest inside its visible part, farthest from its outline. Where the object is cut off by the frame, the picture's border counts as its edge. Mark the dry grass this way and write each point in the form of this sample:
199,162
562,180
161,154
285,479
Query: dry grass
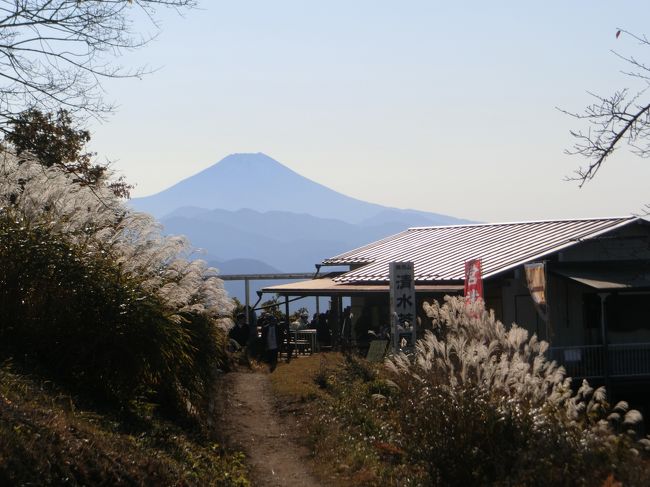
442,417
46,439
299,380
304,390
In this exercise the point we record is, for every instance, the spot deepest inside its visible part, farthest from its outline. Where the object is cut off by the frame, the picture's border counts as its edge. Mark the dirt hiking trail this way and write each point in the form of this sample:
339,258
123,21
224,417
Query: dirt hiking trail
251,423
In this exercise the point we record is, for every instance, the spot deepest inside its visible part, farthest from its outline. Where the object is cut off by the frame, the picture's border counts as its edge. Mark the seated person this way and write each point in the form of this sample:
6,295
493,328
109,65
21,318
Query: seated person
301,323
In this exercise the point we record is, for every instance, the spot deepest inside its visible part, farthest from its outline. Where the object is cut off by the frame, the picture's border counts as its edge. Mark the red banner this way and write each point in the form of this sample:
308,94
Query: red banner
473,280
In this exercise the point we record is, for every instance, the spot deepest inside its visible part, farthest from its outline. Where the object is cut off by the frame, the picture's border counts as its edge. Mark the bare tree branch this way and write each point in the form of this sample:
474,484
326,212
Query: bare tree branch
621,118
55,53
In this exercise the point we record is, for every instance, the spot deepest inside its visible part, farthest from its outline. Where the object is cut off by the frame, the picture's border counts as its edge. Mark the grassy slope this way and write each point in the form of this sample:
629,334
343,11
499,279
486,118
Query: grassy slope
46,440
298,380
350,415
304,387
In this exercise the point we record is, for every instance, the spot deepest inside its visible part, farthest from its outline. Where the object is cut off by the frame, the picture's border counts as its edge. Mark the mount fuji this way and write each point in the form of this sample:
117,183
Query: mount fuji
249,211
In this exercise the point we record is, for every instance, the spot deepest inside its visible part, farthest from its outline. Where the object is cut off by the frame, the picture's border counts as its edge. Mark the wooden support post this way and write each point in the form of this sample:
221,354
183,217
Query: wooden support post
248,300
287,329
603,331
335,321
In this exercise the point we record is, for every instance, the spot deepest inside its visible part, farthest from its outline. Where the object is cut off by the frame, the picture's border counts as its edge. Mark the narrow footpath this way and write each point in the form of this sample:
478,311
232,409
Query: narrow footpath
251,424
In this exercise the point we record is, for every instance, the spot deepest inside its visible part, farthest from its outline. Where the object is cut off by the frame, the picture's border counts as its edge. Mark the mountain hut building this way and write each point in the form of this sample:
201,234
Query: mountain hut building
597,285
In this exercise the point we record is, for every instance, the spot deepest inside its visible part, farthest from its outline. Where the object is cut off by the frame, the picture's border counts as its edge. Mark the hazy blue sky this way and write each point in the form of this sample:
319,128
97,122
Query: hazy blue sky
439,106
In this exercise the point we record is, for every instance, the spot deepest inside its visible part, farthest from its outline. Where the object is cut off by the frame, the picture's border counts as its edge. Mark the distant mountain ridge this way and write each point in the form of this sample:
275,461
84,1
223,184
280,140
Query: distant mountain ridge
258,182
286,241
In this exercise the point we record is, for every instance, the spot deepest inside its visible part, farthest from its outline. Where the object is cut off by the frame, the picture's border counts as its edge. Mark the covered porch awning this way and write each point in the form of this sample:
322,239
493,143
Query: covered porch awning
625,276
326,286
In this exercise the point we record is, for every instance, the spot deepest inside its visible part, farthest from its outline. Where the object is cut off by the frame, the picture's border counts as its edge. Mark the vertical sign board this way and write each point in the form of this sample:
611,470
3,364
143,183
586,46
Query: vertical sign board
473,280
403,310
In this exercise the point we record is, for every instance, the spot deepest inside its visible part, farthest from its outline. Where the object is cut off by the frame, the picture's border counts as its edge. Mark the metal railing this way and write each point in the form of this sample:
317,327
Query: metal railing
626,360
589,361
586,361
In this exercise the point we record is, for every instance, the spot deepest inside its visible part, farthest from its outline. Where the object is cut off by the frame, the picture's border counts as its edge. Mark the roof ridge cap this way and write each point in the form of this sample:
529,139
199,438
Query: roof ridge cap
524,222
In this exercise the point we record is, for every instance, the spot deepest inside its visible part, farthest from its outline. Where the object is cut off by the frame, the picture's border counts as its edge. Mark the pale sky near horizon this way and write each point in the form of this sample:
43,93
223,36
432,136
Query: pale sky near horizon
447,107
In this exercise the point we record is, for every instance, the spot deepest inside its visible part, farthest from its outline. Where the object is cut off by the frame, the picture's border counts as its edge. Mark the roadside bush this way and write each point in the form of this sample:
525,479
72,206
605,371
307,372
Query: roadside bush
93,295
475,404
482,405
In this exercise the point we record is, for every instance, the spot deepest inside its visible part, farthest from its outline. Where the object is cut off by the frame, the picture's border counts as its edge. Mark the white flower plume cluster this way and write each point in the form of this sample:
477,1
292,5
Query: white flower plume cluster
469,347
95,219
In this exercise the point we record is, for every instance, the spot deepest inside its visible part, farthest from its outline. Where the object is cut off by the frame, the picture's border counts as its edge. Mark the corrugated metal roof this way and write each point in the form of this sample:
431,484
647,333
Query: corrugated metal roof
439,253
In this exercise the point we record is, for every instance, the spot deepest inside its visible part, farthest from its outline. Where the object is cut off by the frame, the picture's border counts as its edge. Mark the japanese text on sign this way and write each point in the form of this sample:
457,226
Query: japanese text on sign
402,302
473,280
